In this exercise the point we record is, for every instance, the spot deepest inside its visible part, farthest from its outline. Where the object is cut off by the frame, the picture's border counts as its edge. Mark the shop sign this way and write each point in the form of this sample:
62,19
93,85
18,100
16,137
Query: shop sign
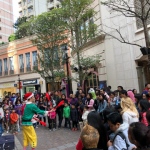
6,85
30,82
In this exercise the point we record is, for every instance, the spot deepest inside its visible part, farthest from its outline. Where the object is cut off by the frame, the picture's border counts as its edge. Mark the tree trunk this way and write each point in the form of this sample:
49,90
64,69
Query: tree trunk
78,55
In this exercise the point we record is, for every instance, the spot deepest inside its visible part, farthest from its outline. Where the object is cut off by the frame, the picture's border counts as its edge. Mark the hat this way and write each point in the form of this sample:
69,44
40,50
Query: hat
28,96
89,137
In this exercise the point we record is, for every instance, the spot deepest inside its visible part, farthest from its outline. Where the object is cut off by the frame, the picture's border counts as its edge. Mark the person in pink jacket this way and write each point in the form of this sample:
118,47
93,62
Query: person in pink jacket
89,102
144,106
131,95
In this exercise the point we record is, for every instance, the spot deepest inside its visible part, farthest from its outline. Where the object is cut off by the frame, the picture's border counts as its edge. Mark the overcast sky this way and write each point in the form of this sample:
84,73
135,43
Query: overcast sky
15,9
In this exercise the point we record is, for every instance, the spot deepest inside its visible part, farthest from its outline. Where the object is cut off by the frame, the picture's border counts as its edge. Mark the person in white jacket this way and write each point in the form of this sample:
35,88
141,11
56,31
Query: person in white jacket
120,140
129,111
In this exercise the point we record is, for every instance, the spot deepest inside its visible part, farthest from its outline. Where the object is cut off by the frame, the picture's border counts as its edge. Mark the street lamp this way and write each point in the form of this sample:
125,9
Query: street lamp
19,85
67,67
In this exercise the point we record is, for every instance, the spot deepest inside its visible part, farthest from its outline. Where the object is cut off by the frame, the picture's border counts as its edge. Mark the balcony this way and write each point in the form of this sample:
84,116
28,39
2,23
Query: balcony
30,3
21,70
11,72
6,72
50,5
1,74
28,69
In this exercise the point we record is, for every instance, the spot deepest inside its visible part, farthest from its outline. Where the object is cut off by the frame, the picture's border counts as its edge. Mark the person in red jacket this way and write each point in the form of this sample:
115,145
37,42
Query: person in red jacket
13,121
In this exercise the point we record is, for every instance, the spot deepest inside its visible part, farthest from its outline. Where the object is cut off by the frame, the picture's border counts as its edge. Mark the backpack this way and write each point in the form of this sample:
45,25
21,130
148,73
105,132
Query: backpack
52,115
124,138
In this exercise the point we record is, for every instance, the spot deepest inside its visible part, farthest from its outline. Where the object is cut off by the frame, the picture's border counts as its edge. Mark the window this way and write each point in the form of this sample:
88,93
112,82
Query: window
29,1
21,64
34,58
5,66
63,51
0,67
30,9
0,37
20,13
24,11
28,60
20,4
138,10
0,19
55,53
11,64
24,2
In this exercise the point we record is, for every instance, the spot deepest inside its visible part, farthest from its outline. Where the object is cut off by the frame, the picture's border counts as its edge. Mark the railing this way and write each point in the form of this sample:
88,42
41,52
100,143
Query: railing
5,73
21,70
28,69
11,72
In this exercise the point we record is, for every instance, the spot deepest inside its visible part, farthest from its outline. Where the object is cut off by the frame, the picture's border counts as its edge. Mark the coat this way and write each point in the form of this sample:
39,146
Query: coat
74,114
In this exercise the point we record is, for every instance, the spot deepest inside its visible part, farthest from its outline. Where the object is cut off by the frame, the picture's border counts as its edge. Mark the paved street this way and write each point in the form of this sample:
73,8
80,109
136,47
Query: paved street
62,139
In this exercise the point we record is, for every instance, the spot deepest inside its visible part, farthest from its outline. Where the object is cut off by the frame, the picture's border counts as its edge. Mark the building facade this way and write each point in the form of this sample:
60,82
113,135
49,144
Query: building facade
6,20
120,64
17,60
30,8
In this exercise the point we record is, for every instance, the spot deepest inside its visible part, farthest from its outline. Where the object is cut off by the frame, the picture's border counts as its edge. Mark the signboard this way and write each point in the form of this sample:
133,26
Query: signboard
29,82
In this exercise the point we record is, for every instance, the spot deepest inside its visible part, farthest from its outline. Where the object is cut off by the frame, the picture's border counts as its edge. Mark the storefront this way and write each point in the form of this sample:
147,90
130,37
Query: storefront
7,89
31,86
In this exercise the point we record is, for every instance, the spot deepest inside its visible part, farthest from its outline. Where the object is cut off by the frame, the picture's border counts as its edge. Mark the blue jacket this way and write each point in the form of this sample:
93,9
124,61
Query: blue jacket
102,106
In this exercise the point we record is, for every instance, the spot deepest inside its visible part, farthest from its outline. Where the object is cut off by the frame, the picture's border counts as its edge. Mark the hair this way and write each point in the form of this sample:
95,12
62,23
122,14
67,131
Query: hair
148,116
140,133
124,92
115,118
109,87
103,96
113,93
127,104
144,105
102,89
133,90
90,95
120,87
63,95
95,121
90,137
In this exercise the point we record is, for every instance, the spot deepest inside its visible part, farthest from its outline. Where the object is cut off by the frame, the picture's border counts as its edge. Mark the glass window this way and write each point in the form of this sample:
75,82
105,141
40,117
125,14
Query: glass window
0,65
63,47
27,60
21,64
30,9
34,58
55,53
11,64
29,1
5,64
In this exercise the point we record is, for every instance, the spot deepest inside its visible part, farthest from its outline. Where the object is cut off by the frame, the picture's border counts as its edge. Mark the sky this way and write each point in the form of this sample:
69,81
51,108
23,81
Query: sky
15,9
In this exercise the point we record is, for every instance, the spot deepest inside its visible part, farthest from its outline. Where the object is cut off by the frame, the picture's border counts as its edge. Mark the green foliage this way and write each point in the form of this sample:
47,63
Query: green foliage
85,65
20,30
12,37
49,34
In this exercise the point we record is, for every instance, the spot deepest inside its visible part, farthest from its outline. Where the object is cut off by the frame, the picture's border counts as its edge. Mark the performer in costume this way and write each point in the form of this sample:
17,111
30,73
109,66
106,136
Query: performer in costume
92,91
29,135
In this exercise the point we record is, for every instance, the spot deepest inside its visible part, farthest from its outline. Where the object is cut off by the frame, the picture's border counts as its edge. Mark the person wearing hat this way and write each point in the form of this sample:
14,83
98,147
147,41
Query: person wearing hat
29,135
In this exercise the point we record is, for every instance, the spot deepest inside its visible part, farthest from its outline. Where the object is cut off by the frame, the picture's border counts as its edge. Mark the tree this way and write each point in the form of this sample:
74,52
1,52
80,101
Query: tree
21,31
79,16
12,37
139,9
48,31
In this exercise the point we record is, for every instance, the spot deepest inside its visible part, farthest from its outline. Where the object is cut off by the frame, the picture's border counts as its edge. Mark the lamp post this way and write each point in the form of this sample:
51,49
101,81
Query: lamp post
67,67
19,85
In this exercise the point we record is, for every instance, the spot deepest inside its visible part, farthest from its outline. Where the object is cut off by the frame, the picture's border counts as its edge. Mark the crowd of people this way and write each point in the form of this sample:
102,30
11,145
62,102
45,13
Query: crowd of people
108,120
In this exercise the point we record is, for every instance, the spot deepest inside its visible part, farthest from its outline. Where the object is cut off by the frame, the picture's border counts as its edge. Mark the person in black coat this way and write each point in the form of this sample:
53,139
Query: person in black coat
74,117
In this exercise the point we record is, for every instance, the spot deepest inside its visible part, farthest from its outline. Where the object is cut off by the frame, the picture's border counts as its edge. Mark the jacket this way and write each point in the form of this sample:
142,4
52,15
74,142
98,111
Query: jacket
119,143
74,101
74,114
66,112
13,118
90,104
143,118
2,112
18,109
129,117
102,106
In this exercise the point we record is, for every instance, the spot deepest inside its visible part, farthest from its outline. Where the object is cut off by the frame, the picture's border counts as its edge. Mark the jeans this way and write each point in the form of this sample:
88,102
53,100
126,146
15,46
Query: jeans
67,121
52,123
1,129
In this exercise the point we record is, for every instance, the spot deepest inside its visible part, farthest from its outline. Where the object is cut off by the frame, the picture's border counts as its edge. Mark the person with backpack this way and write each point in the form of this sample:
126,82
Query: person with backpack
120,140
52,118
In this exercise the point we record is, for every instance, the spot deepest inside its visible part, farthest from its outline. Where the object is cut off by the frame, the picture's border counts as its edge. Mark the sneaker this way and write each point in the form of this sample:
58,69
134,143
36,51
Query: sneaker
7,132
72,129
50,130
54,129
2,134
36,126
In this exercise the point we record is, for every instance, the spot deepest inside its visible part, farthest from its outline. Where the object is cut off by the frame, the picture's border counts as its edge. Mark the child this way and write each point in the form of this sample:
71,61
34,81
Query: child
120,140
52,118
74,117
6,120
66,115
29,135
84,116
34,121
13,121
